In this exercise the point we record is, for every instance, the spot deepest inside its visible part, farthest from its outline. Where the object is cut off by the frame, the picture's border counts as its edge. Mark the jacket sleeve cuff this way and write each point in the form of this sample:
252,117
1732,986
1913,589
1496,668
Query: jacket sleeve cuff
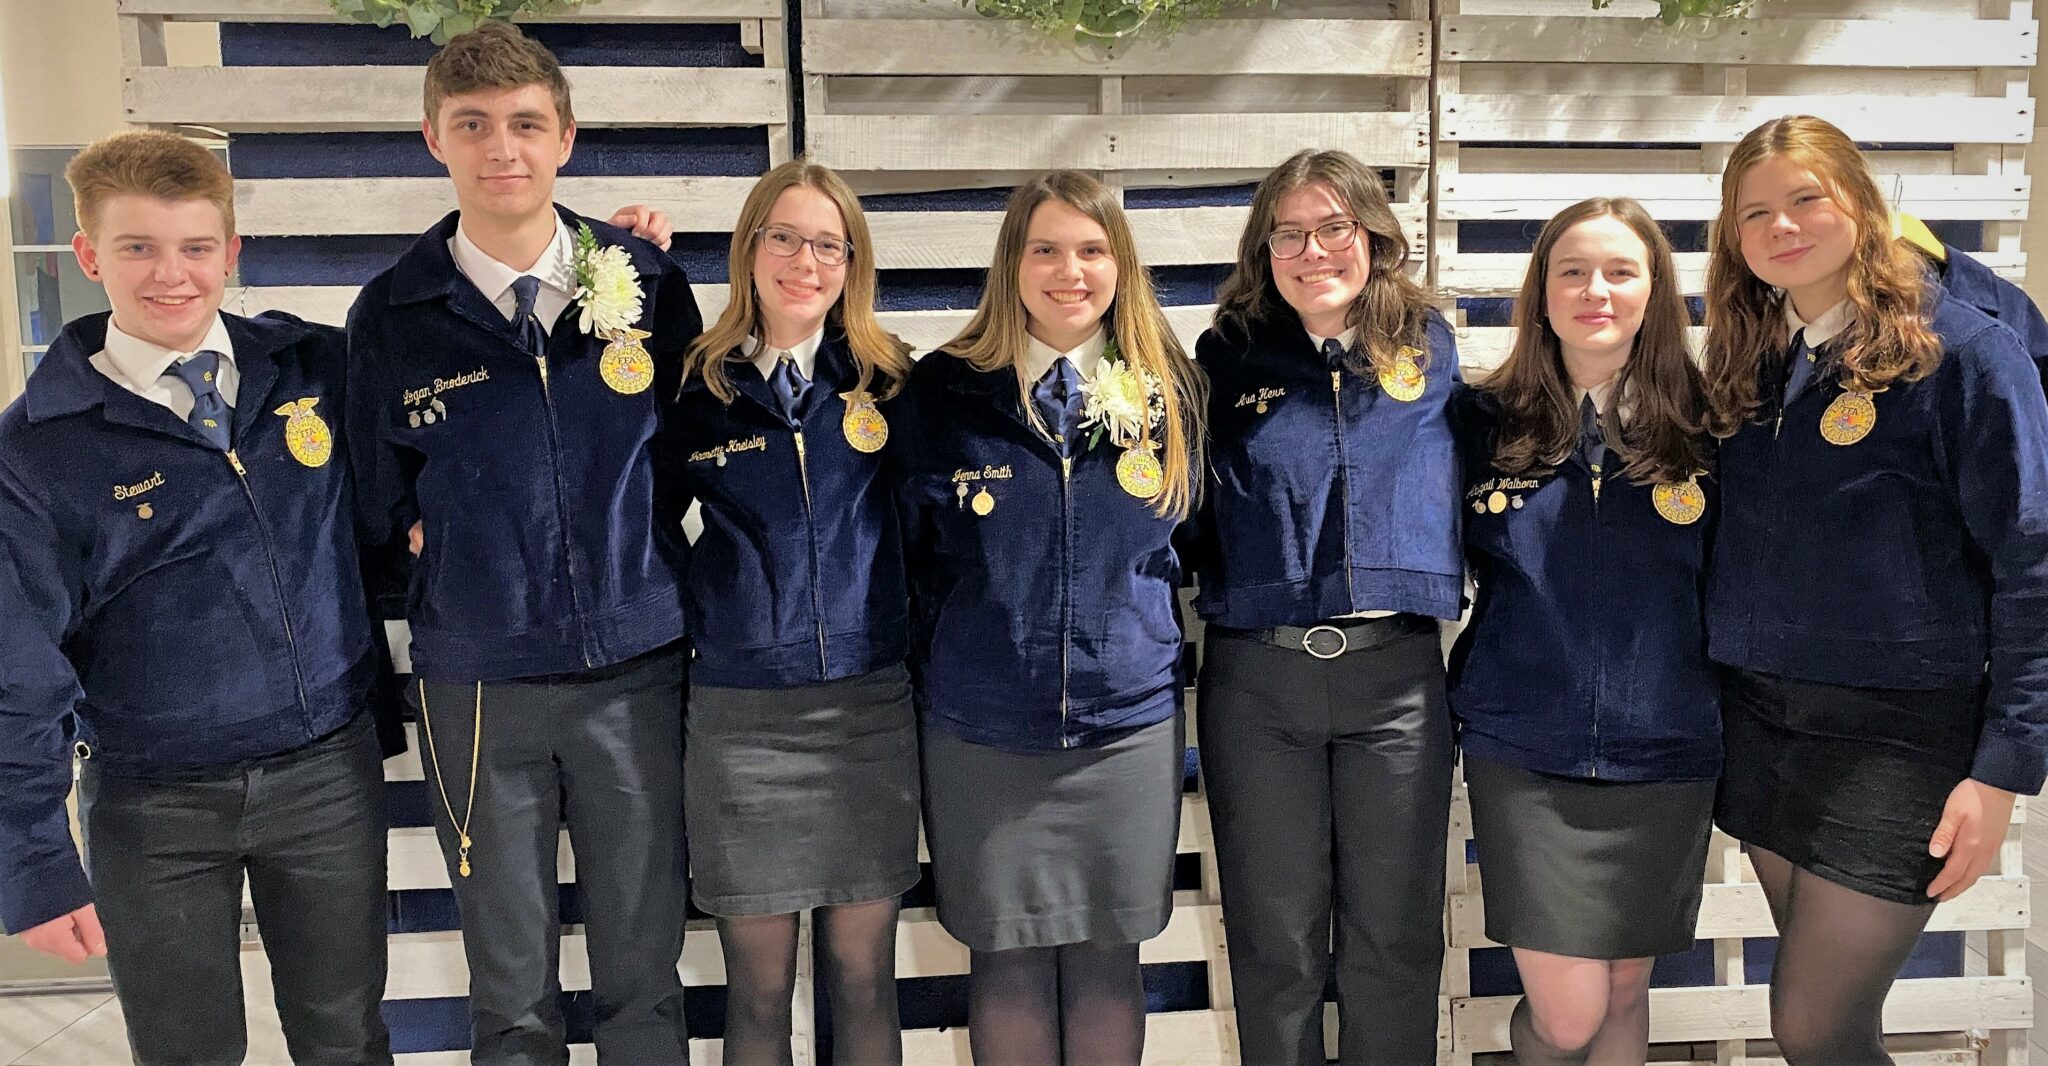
34,895
2008,764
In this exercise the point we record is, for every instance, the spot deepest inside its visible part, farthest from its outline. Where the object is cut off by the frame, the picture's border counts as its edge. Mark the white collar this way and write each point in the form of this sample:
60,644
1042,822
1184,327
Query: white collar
1040,356
1600,393
555,268
1824,326
805,354
1345,339
140,363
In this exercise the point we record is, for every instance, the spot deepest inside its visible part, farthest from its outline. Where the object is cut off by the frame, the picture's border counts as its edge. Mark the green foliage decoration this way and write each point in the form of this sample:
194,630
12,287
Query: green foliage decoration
442,19
1103,21
1673,12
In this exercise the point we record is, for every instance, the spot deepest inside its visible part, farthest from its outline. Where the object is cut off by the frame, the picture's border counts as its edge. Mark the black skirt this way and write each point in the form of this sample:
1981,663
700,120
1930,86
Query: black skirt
801,797
1590,869
1845,783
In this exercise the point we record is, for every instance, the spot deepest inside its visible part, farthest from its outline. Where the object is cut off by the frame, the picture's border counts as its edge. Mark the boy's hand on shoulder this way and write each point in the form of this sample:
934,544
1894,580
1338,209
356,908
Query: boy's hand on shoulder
73,937
647,223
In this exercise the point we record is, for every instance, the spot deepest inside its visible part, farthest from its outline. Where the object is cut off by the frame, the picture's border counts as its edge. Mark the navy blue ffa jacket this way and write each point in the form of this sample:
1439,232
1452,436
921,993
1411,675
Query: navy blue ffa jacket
1915,557
168,605
1329,494
1586,653
552,542
798,575
1975,284
1042,592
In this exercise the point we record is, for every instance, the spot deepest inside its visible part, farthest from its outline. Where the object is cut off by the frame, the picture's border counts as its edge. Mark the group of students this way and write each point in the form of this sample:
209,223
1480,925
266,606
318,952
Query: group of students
1802,592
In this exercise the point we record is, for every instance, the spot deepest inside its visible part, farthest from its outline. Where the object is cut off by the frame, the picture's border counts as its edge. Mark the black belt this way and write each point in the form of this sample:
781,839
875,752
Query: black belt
1328,640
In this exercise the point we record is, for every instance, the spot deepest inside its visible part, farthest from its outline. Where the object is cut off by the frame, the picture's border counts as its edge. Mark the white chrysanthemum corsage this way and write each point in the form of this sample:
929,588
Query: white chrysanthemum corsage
607,287
1121,401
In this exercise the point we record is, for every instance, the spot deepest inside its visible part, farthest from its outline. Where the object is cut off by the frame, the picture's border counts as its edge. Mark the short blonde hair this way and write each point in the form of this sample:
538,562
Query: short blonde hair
495,55
148,163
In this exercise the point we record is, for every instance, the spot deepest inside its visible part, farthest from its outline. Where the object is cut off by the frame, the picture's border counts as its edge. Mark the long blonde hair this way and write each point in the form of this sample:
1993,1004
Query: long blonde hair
1539,424
1391,308
875,350
1889,339
996,336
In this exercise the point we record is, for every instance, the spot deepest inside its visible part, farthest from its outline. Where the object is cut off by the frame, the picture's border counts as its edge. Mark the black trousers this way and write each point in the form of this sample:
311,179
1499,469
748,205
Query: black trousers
167,858
1329,786
602,749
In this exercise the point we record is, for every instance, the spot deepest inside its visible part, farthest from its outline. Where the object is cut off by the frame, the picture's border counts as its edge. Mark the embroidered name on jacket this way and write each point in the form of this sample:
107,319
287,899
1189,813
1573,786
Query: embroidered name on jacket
1260,398
1492,495
718,454
123,492
441,385
988,473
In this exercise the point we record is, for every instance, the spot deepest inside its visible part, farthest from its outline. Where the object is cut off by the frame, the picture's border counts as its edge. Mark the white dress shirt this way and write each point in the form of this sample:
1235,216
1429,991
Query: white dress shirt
805,354
1824,326
139,366
556,269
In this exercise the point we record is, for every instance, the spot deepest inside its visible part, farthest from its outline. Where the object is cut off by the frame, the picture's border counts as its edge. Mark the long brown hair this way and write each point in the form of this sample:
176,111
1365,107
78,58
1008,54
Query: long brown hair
875,350
1391,308
996,336
1889,339
1662,438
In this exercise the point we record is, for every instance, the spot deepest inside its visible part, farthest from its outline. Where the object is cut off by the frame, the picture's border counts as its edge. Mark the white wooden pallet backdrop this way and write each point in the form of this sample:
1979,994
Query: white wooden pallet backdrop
918,97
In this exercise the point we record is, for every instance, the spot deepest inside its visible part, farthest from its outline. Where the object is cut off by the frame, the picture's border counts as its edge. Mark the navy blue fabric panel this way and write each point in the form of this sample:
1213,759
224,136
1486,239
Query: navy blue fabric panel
285,44
1962,235
1937,955
720,152
433,910
409,801
932,1002
355,260
996,199
1190,196
1499,310
1519,235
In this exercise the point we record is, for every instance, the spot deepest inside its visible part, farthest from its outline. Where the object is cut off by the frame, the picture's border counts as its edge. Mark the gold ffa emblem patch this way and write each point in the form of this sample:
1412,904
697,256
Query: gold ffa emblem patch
306,435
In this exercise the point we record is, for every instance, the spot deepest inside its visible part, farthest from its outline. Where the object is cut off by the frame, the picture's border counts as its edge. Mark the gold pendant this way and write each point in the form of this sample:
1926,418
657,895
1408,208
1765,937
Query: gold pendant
1680,503
1405,382
1139,472
145,511
1849,419
983,503
625,365
1496,501
865,428
306,435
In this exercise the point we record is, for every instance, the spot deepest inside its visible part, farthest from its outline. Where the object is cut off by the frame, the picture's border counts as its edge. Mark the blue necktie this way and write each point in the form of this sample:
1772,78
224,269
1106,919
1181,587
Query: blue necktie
525,289
789,384
1801,371
1058,396
210,413
1333,354
1592,443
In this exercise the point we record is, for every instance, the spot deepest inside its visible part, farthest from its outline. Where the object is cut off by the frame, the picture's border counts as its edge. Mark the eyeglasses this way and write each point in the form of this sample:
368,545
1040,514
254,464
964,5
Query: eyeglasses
1330,236
831,251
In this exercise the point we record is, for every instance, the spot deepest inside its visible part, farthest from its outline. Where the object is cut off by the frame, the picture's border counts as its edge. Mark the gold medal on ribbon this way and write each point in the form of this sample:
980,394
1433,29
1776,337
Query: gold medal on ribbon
1680,503
625,365
1849,419
1405,382
865,428
306,436
983,503
1139,472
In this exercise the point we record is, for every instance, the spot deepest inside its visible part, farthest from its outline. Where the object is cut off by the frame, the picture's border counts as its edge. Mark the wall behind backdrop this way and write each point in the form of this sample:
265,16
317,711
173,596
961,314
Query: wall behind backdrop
932,113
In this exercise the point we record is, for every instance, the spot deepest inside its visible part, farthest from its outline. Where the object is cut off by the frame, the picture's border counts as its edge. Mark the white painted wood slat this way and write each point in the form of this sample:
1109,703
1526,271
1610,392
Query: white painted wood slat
1904,42
268,207
871,47
1108,142
1866,117
1469,196
1500,273
241,99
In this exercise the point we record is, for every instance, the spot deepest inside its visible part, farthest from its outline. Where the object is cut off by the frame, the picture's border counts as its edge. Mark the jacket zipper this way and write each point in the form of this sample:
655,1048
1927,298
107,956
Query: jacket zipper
1066,589
803,473
276,582
1343,479
1599,662
547,398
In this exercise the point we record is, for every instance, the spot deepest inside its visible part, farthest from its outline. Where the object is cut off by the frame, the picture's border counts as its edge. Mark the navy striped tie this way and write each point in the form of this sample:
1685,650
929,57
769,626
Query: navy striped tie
210,412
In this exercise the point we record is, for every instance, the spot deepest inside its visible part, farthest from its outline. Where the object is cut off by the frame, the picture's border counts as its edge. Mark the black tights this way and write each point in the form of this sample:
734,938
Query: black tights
859,963
1838,953
1079,1004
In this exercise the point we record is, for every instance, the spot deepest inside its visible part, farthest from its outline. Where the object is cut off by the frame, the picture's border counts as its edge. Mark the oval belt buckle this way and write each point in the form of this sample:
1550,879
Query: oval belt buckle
1309,641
